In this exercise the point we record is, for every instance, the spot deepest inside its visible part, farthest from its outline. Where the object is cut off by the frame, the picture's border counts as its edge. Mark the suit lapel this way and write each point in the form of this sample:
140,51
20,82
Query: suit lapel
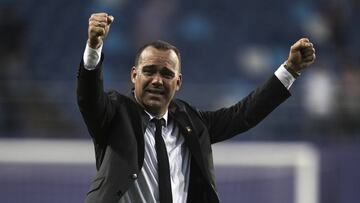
142,120
190,134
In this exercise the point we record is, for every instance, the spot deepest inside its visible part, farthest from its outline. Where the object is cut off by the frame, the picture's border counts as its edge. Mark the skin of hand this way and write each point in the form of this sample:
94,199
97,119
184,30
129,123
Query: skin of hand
99,25
302,54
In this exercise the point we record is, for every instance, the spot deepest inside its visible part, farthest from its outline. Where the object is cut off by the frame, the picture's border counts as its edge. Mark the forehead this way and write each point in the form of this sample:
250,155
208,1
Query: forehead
157,57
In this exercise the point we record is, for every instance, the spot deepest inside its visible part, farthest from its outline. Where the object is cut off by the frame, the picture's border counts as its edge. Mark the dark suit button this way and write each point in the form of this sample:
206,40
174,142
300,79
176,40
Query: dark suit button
134,176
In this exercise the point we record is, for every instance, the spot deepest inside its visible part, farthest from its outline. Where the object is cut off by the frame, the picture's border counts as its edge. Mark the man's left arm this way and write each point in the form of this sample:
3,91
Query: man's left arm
228,122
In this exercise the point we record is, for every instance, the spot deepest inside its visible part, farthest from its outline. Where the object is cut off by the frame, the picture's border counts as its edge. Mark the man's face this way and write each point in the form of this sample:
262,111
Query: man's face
156,79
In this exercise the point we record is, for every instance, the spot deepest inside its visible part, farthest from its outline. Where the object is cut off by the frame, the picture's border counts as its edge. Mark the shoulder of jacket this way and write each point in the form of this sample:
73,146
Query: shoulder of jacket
122,99
113,94
116,96
188,108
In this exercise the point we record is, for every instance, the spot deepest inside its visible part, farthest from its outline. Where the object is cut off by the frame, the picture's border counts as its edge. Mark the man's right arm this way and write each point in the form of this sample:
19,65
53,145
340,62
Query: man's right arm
95,105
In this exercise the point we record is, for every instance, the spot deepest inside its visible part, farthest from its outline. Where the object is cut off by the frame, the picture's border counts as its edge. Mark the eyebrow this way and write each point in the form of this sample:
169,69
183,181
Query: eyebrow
164,68
148,67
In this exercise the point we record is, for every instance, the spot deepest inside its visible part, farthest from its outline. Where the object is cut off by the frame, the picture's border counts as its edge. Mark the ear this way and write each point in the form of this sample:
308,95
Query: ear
133,74
178,82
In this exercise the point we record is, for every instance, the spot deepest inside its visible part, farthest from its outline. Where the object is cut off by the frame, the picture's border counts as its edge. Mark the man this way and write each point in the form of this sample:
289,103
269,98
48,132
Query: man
152,148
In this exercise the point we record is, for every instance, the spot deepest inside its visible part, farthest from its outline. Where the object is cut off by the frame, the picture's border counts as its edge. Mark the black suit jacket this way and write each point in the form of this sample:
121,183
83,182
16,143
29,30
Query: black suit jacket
117,124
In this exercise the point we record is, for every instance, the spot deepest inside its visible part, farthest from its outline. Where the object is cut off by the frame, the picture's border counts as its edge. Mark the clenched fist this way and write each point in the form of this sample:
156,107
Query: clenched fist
302,54
99,25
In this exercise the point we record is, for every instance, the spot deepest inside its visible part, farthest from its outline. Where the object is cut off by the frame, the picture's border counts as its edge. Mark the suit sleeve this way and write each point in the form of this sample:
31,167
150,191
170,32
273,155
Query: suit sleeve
96,106
228,122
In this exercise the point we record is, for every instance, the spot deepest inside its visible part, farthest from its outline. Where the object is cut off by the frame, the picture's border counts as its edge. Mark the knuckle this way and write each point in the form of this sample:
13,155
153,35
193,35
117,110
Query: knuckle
101,31
94,15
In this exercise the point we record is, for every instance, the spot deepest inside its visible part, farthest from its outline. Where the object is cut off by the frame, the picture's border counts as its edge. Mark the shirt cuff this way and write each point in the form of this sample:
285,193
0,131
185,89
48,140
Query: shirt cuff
91,57
284,76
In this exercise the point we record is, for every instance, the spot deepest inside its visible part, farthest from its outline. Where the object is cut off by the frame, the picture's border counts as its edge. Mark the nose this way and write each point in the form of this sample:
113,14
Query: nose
157,79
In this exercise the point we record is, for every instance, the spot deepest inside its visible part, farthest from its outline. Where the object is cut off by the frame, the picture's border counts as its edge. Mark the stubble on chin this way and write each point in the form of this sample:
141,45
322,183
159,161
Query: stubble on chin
153,107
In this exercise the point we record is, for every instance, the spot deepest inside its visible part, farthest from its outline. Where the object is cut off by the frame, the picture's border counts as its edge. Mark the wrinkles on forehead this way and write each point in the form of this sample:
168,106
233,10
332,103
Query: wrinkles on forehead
163,58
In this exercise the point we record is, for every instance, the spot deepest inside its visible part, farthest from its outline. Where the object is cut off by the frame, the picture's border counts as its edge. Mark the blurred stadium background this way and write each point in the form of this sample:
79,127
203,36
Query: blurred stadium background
228,47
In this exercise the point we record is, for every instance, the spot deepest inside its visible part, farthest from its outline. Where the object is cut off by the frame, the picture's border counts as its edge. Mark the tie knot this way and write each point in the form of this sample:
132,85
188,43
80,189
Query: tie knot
158,122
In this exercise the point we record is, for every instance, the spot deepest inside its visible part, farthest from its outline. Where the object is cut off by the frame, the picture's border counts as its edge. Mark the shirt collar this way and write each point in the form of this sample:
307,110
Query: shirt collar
165,116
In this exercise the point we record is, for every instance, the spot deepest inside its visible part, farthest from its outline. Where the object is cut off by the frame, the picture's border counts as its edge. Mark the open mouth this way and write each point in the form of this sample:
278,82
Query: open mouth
155,91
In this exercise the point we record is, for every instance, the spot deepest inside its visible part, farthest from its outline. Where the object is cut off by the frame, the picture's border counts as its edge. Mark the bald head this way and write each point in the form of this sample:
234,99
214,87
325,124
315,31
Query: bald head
161,46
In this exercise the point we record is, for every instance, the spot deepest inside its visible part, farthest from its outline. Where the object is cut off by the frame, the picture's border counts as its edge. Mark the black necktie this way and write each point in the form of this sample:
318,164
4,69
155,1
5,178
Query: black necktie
163,164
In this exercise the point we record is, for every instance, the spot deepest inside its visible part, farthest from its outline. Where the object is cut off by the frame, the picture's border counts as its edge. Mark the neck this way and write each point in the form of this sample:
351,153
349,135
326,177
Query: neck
155,112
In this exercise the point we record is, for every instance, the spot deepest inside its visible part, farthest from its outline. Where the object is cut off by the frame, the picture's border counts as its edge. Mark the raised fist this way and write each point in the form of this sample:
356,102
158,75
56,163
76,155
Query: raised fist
99,25
302,54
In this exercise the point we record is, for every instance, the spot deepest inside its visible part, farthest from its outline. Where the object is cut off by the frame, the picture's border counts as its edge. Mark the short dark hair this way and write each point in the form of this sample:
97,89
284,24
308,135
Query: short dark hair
161,45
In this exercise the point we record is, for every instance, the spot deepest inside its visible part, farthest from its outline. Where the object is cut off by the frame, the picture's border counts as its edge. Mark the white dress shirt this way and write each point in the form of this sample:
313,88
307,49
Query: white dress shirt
145,189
